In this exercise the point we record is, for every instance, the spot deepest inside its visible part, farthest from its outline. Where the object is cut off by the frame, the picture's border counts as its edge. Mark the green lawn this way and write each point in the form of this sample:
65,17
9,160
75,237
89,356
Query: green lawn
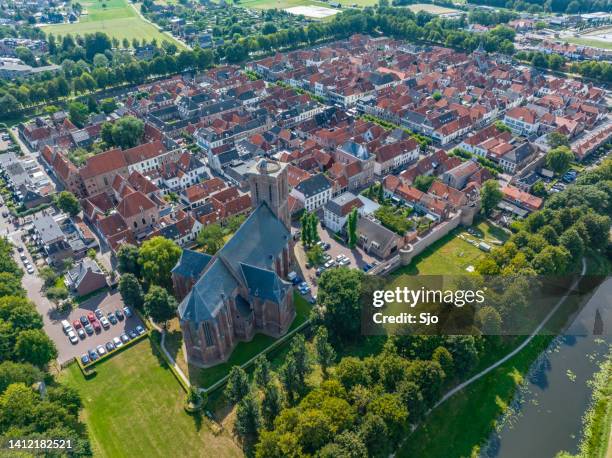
448,256
284,4
133,406
117,19
432,9
243,352
585,41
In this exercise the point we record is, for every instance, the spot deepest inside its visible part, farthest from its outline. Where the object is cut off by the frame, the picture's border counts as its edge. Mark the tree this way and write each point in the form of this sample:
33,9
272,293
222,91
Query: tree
490,196
390,409
556,139
539,190
313,430
10,285
381,193
352,371
315,255
26,55
127,257
34,346
108,105
48,276
125,133
237,386
157,256
375,435
324,351
348,445
130,290
159,305
78,113
443,356
11,372
489,321
339,291
262,373
68,203
423,182
501,127
351,228
248,418
271,403
559,159
436,96
210,238
306,233
290,378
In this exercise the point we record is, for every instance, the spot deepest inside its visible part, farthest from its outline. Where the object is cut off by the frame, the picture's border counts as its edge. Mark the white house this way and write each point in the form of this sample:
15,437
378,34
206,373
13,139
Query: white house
313,192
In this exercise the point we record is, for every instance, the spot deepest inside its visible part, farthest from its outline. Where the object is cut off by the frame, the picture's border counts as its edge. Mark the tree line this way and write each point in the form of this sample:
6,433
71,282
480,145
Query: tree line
555,6
25,353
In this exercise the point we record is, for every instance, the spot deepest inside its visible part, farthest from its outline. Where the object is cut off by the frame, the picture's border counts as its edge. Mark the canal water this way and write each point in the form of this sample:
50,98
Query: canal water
546,415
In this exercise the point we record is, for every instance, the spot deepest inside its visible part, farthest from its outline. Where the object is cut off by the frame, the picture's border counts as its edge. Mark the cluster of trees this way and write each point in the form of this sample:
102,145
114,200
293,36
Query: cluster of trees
310,232
361,407
25,352
486,17
212,236
555,6
394,219
591,69
126,132
559,158
146,281
68,203
554,240
89,63
542,60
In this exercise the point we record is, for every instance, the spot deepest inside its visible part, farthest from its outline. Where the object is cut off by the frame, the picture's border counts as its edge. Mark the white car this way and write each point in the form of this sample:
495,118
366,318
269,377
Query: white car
23,256
117,342
105,322
101,350
329,264
66,326
72,337
30,269
345,262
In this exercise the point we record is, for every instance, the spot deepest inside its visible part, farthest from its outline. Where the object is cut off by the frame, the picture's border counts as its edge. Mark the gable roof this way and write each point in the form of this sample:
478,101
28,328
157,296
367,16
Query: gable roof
191,264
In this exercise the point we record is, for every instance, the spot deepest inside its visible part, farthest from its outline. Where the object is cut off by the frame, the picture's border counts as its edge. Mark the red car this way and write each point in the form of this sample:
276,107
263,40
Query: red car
76,324
91,317
96,325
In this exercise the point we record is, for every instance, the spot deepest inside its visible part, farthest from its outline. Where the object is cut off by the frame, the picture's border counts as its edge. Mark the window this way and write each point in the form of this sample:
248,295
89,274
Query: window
135,224
143,221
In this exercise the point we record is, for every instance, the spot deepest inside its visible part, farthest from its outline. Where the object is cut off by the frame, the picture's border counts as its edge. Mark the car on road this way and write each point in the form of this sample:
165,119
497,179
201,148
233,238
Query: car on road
112,318
99,313
104,322
84,321
127,311
96,326
140,329
81,333
125,338
89,329
119,315
101,350
117,342
72,337
91,317
85,358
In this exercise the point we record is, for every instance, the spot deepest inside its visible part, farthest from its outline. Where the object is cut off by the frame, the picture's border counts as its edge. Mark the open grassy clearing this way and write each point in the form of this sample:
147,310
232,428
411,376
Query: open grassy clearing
133,406
586,41
433,9
117,19
283,4
243,352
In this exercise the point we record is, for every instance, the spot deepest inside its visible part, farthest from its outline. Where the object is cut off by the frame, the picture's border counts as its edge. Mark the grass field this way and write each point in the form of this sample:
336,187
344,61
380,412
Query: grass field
133,406
283,4
117,19
585,41
433,9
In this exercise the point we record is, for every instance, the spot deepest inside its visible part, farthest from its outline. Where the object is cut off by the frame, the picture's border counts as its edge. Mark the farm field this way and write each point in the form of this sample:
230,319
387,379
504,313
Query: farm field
433,9
117,19
134,404
284,4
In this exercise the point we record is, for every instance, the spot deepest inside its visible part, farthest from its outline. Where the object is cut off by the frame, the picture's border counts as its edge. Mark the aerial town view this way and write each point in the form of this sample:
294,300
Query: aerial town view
306,228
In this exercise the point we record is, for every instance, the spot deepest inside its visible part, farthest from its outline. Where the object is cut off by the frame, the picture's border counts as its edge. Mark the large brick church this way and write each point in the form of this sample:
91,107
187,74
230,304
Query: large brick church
228,297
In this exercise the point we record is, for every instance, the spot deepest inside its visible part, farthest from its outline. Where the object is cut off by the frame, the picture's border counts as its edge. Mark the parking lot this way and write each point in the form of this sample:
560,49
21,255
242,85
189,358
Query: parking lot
106,303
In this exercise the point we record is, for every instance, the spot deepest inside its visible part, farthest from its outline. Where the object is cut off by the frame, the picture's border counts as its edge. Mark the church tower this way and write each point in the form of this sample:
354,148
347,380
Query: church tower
268,183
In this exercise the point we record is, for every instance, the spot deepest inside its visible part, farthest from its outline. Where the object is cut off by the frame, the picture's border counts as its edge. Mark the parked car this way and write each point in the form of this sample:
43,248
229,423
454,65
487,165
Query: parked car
367,267
99,313
101,350
30,269
140,329
85,359
297,280
76,324
81,333
329,264
125,338
292,275
117,342
127,311
91,317
93,355
89,329
96,325
84,320
119,315
110,346
72,337
319,271
105,323
66,326
23,256
112,318
133,334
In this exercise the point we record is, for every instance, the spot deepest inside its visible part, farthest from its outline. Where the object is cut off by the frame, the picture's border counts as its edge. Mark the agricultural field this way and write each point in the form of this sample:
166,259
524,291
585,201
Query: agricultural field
285,4
134,404
433,9
116,18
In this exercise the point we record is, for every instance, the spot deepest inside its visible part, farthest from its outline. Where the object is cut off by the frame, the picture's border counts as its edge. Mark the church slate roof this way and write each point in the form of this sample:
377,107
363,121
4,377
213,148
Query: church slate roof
191,264
264,284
